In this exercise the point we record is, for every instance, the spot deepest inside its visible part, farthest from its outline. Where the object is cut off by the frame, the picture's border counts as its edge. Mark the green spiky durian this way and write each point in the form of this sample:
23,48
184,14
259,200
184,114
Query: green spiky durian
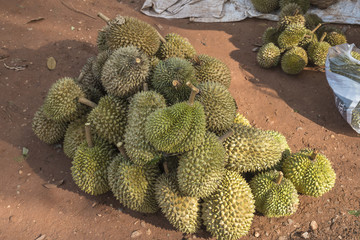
293,18
109,118
240,119
141,106
47,130
133,185
178,128
317,52
169,70
101,40
129,31
74,136
61,103
291,36
219,106
268,55
304,4
355,116
274,195
290,9
250,149
312,20
89,167
294,60
310,38
270,35
125,71
228,213
98,64
183,212
327,29
355,55
176,46
201,170
335,38
310,172
211,69
265,6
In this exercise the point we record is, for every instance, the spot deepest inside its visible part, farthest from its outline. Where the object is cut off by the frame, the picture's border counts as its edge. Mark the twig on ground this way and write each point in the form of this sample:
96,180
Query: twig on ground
77,11
16,68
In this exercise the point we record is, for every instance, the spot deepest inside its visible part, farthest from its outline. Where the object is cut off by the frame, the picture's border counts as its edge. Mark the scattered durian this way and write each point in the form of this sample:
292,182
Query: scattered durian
178,128
335,38
274,195
294,60
268,55
228,213
240,119
141,106
125,71
219,106
89,167
176,46
291,36
74,136
310,172
211,69
312,20
270,35
265,6
317,52
201,170
172,71
129,31
183,212
304,4
133,185
250,149
47,130
109,118
62,101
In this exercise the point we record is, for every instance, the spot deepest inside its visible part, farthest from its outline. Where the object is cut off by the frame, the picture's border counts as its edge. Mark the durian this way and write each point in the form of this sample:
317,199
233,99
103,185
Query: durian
270,35
294,18
290,9
176,46
291,36
355,55
317,52
74,136
294,60
101,40
335,38
274,195
355,116
125,71
268,55
265,6
312,20
304,4
310,172
242,120
228,213
98,64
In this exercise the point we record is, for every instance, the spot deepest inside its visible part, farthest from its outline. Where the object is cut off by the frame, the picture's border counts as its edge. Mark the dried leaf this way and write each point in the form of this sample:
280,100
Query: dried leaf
53,185
51,63
36,20
356,213
41,237
25,151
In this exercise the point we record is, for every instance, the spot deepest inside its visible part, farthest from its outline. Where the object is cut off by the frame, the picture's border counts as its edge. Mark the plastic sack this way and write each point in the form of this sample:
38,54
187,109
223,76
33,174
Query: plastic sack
343,75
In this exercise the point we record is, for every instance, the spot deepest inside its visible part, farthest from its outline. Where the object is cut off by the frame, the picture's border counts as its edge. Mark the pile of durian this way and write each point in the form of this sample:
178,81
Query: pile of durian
299,39
155,123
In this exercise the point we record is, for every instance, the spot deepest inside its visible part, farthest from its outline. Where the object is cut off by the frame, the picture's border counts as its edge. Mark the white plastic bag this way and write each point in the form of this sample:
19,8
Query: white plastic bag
343,75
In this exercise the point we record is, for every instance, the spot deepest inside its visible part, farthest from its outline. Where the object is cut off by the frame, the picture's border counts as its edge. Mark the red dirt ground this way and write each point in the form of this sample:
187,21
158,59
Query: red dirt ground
300,107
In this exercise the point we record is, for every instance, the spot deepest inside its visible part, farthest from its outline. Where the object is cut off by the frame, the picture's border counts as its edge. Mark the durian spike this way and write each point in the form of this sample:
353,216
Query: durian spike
121,148
226,135
145,87
103,17
176,84
314,154
166,169
87,102
280,177
317,27
194,91
323,37
88,135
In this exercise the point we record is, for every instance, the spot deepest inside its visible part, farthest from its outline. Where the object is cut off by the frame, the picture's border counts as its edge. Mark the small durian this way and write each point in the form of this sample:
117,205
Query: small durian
178,128
176,46
270,35
183,212
312,20
201,170
240,119
250,149
265,6
219,106
125,71
335,38
172,71
89,167
268,55
304,4
291,37
228,213
74,136
293,18
142,104
109,118
317,52
129,31
274,195
310,172
133,185
61,103
294,60
210,69
101,40
47,130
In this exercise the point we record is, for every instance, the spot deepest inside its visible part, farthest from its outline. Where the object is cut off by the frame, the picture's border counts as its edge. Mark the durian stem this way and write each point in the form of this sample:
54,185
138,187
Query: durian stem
194,91
280,177
226,135
81,76
316,28
103,17
121,148
166,169
162,39
138,60
88,135
314,154
296,12
196,59
176,84
323,37
146,87
87,102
